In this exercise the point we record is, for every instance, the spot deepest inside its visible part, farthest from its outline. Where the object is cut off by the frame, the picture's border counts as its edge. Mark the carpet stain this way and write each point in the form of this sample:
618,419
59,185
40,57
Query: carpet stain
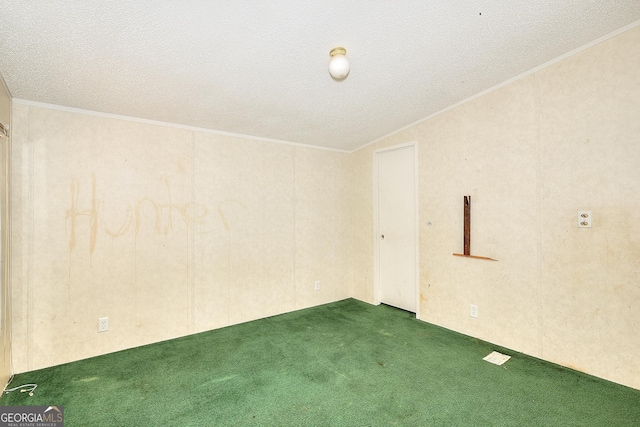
340,374
218,380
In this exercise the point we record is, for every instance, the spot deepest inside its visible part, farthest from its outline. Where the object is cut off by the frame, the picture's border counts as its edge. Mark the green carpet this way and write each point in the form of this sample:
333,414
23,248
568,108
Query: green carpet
341,364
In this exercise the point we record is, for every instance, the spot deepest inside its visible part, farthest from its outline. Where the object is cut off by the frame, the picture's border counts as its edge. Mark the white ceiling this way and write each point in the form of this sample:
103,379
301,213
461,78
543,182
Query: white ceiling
259,68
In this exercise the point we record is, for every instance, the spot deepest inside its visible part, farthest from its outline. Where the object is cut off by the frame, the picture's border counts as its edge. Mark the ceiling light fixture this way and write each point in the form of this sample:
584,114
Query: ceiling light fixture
339,64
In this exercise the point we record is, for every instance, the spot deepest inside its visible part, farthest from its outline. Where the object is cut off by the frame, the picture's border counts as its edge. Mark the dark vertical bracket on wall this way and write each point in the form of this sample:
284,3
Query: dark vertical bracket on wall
467,232
467,225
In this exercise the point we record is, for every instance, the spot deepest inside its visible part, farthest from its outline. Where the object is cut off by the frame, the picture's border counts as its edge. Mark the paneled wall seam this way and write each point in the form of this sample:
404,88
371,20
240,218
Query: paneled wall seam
295,231
191,232
30,240
539,262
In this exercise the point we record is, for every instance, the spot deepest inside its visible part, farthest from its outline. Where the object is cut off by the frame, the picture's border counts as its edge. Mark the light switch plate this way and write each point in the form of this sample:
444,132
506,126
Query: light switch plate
473,310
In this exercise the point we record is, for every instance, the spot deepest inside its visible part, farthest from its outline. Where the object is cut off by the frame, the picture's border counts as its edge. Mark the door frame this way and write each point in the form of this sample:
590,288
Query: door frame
377,290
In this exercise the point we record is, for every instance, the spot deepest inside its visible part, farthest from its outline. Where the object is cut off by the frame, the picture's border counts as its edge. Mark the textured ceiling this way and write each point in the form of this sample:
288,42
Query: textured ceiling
259,68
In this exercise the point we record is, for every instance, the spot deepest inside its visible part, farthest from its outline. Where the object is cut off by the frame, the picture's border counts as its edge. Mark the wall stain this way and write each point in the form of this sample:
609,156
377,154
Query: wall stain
189,214
73,213
227,227
125,226
223,217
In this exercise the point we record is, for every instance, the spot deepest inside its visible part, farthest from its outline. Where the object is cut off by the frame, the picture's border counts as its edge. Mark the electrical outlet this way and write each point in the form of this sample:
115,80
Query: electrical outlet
103,324
317,285
584,219
473,310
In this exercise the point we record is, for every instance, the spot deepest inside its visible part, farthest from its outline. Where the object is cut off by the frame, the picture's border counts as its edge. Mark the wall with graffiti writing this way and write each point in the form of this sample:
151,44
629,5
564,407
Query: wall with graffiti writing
165,231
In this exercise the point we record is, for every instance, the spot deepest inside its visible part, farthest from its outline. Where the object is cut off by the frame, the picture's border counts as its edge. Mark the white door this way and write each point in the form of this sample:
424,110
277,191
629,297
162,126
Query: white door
396,227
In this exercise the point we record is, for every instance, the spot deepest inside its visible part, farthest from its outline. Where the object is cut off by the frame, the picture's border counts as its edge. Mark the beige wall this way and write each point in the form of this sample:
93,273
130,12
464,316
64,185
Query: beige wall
531,155
166,231
5,333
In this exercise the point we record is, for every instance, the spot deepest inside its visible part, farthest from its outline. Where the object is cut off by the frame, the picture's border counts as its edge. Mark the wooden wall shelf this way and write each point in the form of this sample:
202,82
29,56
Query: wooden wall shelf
476,256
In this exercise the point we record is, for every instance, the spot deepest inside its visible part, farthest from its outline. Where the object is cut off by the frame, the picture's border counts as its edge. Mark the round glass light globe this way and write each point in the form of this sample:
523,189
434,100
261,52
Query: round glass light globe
339,66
